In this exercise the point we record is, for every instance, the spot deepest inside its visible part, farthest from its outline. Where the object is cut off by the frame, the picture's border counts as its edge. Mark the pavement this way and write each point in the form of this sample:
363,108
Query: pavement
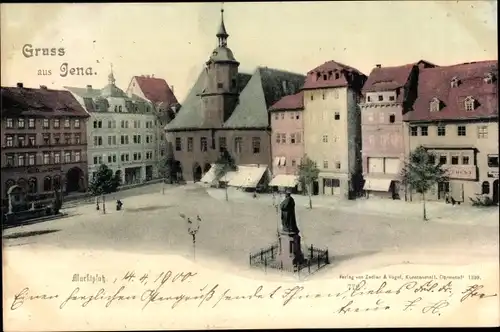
151,223
437,212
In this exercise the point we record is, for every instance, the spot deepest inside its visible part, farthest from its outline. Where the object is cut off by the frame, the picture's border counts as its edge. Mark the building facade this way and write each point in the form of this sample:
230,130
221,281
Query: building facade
44,141
332,127
122,132
228,110
162,97
287,145
387,94
456,118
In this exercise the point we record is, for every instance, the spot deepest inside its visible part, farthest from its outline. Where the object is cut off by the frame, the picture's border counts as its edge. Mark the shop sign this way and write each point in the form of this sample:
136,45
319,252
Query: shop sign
32,170
465,172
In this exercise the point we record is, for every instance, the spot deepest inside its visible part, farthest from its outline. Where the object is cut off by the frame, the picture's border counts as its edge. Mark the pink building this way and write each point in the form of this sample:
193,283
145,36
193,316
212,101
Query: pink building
388,93
287,143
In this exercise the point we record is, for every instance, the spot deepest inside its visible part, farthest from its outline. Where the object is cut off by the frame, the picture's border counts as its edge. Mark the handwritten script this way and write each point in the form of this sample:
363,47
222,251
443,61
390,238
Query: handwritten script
429,297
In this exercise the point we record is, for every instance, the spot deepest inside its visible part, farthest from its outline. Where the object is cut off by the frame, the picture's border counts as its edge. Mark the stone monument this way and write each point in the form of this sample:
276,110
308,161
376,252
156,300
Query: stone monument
290,253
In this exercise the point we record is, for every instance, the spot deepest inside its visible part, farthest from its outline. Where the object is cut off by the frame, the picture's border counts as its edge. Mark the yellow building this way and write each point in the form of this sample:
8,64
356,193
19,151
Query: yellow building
332,127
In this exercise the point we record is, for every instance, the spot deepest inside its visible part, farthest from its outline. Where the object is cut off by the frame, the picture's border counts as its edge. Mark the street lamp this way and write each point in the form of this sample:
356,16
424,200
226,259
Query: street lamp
192,227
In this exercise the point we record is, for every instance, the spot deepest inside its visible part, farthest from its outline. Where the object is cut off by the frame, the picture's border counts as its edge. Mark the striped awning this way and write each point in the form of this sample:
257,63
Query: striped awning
285,180
247,176
377,184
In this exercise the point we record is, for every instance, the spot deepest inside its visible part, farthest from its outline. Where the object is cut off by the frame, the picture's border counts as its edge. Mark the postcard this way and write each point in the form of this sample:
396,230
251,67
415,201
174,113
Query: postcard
249,165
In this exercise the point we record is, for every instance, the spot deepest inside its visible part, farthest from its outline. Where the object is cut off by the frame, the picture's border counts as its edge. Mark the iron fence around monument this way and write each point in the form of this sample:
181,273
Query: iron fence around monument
314,259
264,256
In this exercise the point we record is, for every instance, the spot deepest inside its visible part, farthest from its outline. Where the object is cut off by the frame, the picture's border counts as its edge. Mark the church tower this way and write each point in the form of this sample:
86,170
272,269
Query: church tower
220,93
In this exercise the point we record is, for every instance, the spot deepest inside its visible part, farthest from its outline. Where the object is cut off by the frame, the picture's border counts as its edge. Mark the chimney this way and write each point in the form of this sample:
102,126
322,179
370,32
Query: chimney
89,87
43,87
172,88
152,75
148,76
20,85
378,65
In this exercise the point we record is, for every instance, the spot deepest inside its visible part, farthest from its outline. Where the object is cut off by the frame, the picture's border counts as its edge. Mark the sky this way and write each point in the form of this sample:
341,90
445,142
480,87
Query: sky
173,41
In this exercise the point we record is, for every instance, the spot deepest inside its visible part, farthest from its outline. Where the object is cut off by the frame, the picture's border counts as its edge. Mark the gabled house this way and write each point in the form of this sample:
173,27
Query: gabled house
455,116
388,93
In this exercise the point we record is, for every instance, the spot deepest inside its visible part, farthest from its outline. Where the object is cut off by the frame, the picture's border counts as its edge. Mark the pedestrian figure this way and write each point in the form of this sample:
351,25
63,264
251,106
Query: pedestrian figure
119,205
97,205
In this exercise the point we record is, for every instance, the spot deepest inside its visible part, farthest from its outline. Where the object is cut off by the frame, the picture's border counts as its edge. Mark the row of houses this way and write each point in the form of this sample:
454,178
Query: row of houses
59,138
358,129
450,110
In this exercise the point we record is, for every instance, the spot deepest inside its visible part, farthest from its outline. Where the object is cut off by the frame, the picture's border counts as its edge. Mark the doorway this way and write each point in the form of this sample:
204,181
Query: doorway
315,188
443,190
197,173
74,179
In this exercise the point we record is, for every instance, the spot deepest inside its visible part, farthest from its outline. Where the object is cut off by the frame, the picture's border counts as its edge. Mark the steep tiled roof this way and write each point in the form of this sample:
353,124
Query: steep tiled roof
109,90
190,115
156,90
290,102
390,78
258,92
265,88
387,78
436,83
40,102
324,76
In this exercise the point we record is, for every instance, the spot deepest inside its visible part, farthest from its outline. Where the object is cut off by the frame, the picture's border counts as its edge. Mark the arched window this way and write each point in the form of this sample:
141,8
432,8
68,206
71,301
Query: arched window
8,184
47,184
485,188
33,186
22,183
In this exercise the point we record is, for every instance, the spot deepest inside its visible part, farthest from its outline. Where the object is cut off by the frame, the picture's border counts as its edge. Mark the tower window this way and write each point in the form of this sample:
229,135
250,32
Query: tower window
220,85
233,83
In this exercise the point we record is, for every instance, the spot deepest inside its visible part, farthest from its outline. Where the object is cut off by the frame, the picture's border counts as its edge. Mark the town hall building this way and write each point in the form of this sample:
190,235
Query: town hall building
226,109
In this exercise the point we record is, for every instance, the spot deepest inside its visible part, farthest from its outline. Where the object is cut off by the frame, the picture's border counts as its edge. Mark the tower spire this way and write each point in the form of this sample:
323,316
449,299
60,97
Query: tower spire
222,33
111,77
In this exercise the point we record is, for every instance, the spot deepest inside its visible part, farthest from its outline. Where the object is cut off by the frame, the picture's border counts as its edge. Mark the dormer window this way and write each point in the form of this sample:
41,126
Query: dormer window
318,75
488,78
285,86
330,75
337,76
324,77
435,105
455,82
470,104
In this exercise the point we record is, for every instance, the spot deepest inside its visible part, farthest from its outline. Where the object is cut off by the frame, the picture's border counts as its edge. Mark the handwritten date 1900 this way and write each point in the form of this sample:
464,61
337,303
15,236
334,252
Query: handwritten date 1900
162,278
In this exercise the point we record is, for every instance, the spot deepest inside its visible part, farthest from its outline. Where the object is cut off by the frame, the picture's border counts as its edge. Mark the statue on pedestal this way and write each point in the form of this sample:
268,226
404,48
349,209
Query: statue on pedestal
288,220
289,238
